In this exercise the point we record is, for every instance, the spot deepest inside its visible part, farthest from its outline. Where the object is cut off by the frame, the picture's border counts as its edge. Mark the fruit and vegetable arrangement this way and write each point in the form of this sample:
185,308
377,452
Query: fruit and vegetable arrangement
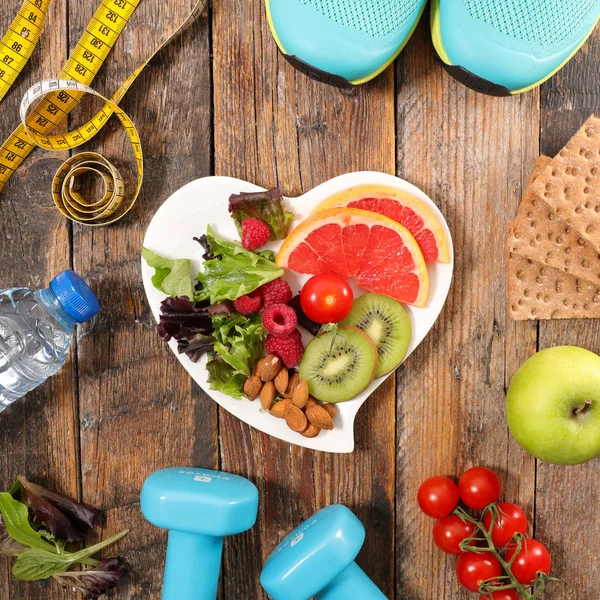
241,307
496,557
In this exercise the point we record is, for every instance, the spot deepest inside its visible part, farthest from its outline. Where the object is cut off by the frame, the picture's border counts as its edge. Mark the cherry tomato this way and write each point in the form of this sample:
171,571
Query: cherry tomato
473,569
511,520
501,595
479,486
326,298
532,558
450,531
438,497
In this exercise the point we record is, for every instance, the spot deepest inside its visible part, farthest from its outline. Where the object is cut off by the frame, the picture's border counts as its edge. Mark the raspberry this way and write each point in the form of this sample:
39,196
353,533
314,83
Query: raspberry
255,233
279,319
277,291
247,304
288,347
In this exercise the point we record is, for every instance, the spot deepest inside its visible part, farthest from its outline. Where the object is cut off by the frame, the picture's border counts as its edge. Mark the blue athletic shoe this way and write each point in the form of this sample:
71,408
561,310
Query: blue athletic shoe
502,47
342,42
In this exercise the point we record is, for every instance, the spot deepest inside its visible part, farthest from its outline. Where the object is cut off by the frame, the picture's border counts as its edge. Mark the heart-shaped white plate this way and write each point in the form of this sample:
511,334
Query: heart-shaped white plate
187,213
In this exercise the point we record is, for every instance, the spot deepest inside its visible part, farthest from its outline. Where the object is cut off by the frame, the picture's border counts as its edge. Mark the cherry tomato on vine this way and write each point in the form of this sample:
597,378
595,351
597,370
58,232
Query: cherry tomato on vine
479,486
511,520
438,497
473,569
326,298
532,558
501,595
450,531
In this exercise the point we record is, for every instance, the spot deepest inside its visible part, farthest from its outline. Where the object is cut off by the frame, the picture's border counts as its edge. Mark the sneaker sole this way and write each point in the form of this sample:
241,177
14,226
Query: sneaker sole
474,82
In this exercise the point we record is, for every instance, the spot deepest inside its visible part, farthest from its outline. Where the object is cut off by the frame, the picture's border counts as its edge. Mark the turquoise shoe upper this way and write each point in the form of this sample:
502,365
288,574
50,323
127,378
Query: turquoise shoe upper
513,43
354,39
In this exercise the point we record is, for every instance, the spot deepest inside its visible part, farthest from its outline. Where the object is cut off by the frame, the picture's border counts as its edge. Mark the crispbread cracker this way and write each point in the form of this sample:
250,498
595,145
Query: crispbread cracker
537,291
540,164
539,235
570,183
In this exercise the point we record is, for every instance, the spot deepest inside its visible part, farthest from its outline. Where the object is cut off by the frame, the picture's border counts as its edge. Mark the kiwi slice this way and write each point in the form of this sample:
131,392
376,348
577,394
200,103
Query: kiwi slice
339,364
387,323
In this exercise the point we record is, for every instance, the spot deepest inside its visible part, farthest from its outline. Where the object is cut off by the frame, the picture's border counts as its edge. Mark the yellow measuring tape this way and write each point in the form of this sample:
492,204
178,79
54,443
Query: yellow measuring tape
55,98
20,40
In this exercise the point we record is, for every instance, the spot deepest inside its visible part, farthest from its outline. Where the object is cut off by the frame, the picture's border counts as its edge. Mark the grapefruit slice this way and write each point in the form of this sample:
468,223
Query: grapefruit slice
382,254
401,207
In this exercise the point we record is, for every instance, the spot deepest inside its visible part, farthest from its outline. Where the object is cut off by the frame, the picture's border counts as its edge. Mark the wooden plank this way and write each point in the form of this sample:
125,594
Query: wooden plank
567,498
139,410
38,434
274,126
472,155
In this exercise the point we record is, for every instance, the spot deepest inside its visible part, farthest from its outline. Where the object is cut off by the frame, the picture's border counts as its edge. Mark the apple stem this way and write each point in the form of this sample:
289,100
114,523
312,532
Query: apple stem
581,410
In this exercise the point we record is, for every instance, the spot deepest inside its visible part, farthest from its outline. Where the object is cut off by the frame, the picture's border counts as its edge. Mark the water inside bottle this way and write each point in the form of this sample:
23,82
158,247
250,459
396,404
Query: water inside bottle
33,346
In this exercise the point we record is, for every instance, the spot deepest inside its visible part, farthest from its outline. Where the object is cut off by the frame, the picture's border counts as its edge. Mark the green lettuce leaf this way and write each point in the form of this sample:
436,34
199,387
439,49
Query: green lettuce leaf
231,271
239,345
266,206
239,340
223,378
15,516
172,277
38,564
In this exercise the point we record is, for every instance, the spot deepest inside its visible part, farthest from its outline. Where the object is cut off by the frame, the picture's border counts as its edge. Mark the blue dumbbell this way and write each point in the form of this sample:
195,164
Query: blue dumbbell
198,507
317,559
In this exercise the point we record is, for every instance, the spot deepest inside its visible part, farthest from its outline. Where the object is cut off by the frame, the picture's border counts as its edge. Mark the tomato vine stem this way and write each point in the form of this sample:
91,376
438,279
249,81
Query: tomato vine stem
491,585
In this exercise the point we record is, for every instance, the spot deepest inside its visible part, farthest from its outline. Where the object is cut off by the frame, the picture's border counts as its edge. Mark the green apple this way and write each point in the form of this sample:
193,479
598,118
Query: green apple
553,405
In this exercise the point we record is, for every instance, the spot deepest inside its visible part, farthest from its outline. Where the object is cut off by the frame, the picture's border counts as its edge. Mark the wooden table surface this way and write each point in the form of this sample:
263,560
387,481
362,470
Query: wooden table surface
221,100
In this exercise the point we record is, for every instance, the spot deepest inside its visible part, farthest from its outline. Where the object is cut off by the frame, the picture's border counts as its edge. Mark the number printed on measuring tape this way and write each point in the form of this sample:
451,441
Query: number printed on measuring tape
18,43
57,97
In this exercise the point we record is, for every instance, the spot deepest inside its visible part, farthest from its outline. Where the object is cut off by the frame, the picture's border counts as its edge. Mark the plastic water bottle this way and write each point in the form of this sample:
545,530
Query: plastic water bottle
36,330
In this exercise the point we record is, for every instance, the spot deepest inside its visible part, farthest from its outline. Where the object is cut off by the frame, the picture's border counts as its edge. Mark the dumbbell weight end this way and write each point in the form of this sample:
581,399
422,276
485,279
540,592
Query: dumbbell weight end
192,566
351,584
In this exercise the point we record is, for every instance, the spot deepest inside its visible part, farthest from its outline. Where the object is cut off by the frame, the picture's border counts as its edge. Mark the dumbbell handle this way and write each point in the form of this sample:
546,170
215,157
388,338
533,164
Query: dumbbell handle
351,584
192,567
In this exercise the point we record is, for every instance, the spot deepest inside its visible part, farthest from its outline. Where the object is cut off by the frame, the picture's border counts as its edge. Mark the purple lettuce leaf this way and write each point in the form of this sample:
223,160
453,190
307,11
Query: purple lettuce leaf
94,582
190,324
266,206
64,518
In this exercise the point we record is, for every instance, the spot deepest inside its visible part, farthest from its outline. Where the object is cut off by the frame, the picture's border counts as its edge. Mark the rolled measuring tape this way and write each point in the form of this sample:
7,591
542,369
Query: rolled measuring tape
70,203
56,98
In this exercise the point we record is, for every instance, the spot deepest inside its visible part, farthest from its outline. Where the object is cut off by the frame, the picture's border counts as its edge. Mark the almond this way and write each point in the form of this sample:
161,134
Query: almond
278,409
331,409
319,417
300,395
270,367
281,381
267,395
252,387
292,385
311,401
295,418
258,366
312,431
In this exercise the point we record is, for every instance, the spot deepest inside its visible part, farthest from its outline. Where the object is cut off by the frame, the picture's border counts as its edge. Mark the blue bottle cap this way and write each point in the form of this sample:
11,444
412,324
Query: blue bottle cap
75,296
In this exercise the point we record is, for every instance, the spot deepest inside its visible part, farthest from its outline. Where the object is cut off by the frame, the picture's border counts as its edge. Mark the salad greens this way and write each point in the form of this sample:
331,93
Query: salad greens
200,314
173,277
231,271
239,344
266,206
190,324
38,525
